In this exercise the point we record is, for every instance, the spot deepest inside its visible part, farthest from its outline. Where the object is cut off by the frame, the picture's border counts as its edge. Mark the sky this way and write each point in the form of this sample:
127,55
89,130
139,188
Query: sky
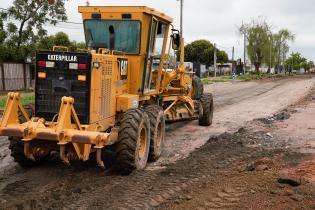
216,20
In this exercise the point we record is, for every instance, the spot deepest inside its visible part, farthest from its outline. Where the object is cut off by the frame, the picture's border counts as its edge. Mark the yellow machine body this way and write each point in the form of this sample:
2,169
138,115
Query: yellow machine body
119,81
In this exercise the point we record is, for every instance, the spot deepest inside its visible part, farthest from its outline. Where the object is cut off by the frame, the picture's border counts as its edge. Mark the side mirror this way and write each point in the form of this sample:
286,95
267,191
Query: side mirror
176,40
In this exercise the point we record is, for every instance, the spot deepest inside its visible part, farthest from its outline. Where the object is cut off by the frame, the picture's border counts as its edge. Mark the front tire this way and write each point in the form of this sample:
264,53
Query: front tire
207,109
133,144
197,88
17,152
157,130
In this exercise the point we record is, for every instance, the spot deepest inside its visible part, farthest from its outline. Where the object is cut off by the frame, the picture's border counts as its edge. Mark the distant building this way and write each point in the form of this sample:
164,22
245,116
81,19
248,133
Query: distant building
199,69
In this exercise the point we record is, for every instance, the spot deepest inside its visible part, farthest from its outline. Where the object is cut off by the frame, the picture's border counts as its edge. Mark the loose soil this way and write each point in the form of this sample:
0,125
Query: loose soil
235,164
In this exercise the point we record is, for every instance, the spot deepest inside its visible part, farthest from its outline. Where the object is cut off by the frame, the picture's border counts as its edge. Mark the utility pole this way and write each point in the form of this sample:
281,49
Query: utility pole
215,60
244,69
270,64
181,33
181,18
283,60
232,71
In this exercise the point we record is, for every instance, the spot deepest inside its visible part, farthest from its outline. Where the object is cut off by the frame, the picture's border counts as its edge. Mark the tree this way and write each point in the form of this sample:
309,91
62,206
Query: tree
75,46
265,47
201,51
25,27
59,39
222,57
296,62
62,39
2,38
257,34
46,43
281,45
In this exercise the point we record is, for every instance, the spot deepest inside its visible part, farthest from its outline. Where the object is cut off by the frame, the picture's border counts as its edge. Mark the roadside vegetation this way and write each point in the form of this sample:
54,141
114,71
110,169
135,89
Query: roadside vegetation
247,77
26,98
259,76
265,46
212,80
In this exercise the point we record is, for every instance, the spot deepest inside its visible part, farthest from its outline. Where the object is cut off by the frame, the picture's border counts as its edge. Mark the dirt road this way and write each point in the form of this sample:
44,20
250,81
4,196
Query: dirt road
210,177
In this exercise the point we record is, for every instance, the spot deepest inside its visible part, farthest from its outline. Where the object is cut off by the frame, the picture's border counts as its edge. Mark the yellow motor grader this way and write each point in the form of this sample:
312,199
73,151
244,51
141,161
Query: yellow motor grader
118,94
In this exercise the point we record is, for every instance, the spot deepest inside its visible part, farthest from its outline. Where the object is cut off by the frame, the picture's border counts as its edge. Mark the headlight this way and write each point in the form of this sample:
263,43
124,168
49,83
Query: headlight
96,65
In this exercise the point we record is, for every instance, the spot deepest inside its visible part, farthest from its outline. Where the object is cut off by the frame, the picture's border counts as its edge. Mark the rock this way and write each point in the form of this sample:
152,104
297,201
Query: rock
229,190
263,167
280,186
288,192
154,203
241,130
177,202
282,116
188,197
250,167
222,194
252,191
290,181
77,190
269,134
84,191
297,197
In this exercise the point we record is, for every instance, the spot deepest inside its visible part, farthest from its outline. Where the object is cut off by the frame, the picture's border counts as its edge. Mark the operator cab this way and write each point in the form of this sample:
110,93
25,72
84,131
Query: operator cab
141,34
119,36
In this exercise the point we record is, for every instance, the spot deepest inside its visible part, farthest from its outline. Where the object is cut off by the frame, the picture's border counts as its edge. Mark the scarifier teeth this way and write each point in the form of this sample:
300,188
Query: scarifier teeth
27,152
100,163
63,155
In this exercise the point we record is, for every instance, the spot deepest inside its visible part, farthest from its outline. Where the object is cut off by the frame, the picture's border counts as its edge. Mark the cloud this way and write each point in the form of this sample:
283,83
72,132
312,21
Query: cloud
218,20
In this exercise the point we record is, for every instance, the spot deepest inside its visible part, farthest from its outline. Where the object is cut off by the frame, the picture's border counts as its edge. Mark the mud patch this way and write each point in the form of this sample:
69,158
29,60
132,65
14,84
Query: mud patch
304,170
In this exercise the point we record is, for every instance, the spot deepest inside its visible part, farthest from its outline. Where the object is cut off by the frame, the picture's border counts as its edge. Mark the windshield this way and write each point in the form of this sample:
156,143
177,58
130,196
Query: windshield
117,35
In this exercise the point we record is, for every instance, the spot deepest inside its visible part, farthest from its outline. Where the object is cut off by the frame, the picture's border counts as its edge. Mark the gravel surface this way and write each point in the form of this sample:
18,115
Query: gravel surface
213,176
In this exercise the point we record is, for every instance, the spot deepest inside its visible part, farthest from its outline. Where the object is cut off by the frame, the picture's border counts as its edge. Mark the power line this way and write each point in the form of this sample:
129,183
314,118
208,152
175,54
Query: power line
69,22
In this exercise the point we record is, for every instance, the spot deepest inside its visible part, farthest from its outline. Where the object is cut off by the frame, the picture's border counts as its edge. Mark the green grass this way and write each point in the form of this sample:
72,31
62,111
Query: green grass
213,80
259,76
247,77
22,91
25,100
252,76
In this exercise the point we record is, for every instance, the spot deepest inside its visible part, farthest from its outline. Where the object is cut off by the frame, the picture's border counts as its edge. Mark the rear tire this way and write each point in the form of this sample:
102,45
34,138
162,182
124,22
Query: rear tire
197,88
207,109
157,130
17,152
133,144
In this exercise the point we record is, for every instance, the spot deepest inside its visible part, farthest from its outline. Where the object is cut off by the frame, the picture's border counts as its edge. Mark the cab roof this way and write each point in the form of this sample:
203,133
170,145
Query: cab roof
125,9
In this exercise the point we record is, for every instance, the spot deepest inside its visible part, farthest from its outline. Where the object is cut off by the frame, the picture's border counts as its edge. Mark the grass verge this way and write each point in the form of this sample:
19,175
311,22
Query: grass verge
256,76
212,80
247,77
25,100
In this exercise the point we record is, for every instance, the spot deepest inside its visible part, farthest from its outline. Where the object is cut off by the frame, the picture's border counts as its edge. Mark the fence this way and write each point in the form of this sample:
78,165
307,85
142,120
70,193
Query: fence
15,76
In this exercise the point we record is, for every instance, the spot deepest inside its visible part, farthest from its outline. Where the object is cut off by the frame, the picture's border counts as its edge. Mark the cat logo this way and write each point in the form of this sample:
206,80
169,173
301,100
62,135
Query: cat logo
123,66
68,58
